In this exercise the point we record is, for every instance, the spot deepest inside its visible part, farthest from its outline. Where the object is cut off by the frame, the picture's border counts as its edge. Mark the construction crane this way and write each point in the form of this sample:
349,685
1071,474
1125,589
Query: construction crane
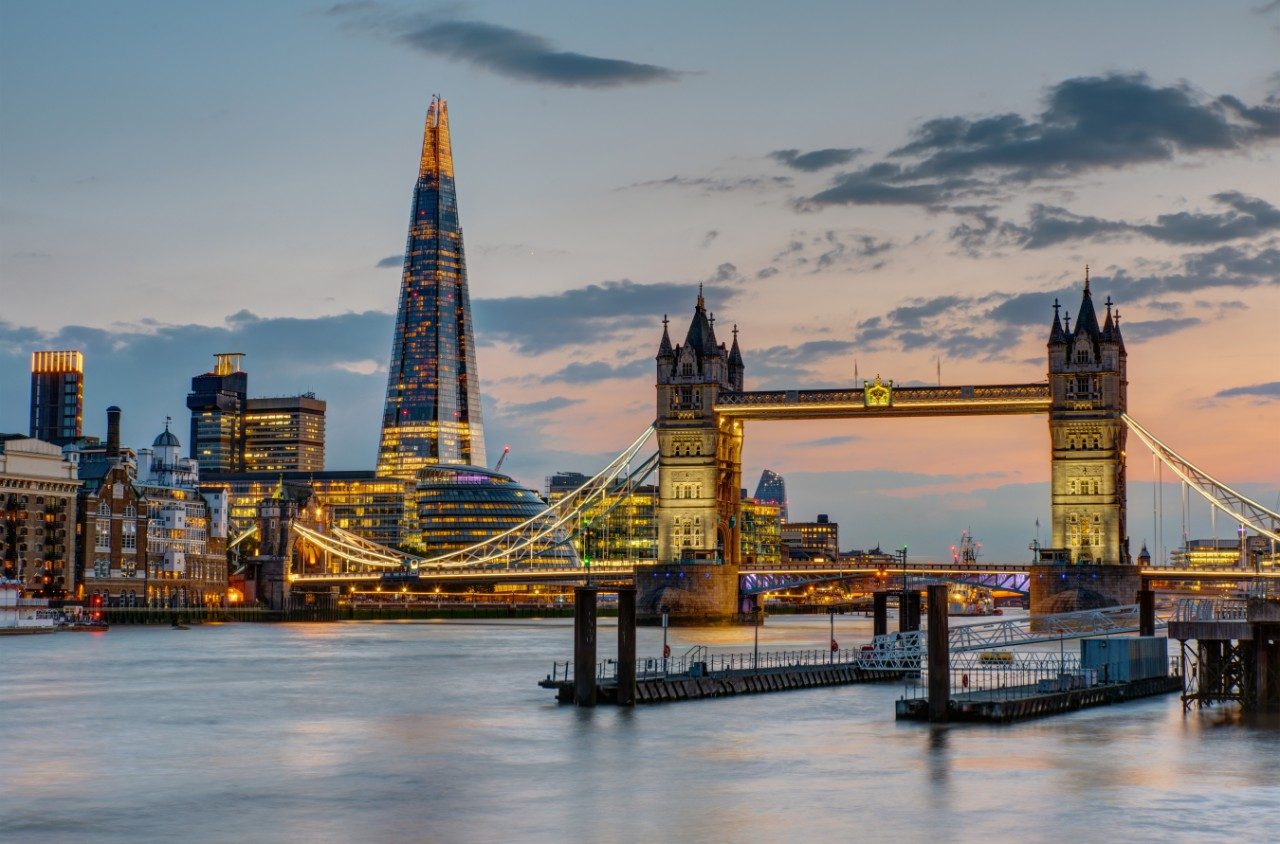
506,449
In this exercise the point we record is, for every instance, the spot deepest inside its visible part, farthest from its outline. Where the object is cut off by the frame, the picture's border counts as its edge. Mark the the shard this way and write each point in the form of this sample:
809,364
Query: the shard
432,414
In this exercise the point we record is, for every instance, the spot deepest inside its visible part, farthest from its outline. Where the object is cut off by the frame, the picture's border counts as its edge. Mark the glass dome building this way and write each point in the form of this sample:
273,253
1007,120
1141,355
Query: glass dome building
460,506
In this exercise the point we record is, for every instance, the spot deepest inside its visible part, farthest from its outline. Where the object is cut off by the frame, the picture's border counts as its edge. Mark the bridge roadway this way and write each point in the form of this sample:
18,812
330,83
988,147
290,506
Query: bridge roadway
625,573
986,400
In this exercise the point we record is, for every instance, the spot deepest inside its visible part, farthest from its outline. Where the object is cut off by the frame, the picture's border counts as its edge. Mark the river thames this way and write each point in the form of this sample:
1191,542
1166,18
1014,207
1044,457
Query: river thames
437,731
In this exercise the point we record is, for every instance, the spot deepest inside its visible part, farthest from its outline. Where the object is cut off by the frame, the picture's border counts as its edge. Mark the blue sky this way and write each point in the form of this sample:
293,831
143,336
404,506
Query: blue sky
885,183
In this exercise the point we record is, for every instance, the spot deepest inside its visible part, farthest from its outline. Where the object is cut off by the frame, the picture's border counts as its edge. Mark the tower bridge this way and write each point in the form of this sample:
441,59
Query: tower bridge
702,410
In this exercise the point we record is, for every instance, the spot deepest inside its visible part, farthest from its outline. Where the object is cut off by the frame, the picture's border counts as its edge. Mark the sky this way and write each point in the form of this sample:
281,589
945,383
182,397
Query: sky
897,189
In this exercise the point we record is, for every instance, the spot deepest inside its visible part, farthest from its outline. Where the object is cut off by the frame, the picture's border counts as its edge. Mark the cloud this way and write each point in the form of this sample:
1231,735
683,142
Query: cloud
1269,391
1088,123
823,442
503,51
712,185
591,372
992,325
709,237
814,160
392,261
1138,332
583,316
366,366
537,408
1047,225
831,249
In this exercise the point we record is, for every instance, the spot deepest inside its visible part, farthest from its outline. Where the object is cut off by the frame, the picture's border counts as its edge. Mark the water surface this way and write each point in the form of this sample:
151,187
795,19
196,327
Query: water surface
437,731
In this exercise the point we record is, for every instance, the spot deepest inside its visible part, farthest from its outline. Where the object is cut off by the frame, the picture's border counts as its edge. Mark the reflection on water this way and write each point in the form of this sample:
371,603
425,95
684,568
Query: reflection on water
437,731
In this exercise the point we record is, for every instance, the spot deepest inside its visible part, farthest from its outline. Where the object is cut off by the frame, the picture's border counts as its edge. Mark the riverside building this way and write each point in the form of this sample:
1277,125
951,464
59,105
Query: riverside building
146,535
38,489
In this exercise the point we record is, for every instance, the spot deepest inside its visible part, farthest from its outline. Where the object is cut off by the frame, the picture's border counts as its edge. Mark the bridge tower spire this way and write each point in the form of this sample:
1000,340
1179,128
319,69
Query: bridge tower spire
1088,382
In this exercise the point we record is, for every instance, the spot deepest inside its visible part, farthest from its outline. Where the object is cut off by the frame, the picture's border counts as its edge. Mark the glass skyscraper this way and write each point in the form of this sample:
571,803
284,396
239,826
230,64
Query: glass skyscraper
432,413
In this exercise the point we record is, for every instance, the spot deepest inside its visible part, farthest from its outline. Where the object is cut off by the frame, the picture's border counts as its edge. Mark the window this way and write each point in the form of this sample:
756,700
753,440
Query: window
130,512
104,509
102,535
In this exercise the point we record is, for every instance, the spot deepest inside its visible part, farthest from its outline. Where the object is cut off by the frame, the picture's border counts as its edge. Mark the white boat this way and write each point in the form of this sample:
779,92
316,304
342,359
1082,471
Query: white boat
19,615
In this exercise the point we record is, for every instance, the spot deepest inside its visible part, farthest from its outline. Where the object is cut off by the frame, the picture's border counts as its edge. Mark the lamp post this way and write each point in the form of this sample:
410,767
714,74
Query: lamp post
831,646
666,652
755,654
902,552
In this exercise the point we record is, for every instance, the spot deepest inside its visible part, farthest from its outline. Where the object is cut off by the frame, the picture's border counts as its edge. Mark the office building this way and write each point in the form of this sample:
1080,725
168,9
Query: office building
772,489
381,510
231,432
284,434
459,506
761,532
818,541
216,401
432,412
57,396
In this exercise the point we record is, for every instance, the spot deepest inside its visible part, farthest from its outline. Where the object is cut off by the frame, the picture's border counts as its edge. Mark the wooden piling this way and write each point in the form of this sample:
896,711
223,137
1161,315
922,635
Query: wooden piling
909,611
939,654
1146,610
880,613
584,645
627,646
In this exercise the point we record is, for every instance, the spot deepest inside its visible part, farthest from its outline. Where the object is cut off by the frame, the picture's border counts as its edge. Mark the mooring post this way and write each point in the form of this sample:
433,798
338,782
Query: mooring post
909,611
584,645
939,654
626,646
880,611
1146,609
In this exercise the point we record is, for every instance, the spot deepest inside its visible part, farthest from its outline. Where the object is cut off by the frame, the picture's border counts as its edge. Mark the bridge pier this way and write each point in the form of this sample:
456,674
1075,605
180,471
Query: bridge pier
584,646
880,613
694,593
626,646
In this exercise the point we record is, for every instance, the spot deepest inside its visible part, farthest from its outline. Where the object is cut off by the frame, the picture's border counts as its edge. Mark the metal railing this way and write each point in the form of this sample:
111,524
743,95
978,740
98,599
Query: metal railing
892,652
1046,628
1210,609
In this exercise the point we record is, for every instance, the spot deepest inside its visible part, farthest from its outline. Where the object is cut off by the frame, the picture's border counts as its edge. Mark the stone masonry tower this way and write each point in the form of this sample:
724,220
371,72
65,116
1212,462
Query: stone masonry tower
1089,385
690,480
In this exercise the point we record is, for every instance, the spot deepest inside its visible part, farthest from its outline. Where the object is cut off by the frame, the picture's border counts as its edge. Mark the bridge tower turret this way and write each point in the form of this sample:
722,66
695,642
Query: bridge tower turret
691,451
1088,381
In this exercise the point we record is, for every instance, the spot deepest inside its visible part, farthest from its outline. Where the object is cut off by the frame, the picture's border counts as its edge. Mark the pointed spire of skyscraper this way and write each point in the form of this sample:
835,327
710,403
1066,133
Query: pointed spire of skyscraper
432,412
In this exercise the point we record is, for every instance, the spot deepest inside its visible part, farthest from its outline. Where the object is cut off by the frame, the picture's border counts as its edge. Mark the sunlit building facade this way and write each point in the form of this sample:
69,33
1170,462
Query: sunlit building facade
378,509
57,396
432,412
761,532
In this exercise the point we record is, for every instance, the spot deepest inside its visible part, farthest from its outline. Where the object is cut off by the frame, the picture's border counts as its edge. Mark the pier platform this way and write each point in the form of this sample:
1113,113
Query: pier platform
1003,706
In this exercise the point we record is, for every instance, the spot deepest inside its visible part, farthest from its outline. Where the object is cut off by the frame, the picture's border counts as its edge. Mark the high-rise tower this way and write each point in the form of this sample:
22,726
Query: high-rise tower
432,414
57,396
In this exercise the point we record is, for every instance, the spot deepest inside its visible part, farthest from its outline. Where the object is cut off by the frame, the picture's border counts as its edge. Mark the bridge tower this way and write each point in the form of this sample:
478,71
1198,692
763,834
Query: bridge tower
699,474
1088,383
692,488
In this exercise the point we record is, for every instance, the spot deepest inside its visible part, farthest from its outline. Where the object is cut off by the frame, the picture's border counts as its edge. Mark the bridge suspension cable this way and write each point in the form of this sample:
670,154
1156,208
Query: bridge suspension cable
1239,507
550,528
